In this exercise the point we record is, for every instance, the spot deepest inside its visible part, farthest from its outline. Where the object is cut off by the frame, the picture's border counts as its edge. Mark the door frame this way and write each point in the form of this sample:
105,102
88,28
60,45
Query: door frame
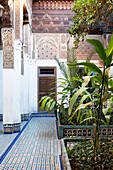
45,75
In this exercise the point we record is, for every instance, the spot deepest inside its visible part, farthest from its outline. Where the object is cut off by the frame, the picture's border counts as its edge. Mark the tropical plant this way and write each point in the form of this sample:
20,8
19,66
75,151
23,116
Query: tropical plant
65,84
102,83
91,15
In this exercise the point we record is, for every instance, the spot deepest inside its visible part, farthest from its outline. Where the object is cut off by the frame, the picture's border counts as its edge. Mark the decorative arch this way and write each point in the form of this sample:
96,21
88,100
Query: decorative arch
47,48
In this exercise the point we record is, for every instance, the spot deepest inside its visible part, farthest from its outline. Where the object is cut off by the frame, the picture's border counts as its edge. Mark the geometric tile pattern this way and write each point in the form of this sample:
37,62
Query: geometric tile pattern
6,139
36,148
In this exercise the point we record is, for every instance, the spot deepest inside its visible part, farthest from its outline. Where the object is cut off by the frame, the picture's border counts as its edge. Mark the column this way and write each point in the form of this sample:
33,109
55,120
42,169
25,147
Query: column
33,86
1,84
11,82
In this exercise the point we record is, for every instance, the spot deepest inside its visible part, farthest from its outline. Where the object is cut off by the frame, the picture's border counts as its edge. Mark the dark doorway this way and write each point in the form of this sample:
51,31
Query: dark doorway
47,82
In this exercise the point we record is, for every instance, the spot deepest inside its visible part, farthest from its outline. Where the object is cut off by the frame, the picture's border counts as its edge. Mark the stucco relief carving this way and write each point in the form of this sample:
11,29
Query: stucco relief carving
46,48
84,48
54,4
7,37
63,39
54,37
7,40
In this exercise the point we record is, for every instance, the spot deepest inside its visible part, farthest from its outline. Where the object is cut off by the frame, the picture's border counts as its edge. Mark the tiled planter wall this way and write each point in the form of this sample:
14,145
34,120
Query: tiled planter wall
81,131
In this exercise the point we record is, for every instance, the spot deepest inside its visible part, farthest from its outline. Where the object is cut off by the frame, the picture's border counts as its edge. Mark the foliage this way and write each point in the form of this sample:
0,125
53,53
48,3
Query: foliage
102,92
101,80
66,90
74,71
82,155
89,15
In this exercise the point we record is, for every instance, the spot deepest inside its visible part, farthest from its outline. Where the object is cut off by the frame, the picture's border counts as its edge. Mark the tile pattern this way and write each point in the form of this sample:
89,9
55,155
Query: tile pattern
6,139
36,148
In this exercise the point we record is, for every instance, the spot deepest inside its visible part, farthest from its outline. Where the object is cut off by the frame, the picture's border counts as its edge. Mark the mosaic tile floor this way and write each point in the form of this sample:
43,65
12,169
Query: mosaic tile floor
6,139
37,148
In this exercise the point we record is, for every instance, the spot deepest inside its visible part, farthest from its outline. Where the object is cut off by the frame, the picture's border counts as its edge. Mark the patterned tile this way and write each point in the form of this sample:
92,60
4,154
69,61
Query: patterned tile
36,148
6,139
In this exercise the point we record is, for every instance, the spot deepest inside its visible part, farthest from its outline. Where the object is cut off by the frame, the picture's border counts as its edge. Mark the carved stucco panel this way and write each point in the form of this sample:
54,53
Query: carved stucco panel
55,37
8,52
47,48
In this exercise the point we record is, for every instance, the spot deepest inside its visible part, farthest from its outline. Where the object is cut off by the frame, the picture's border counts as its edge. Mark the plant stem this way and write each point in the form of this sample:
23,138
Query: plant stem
100,103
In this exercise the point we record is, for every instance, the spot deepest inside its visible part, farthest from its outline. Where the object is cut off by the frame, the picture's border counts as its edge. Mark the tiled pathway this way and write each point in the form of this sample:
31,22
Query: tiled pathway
6,139
37,148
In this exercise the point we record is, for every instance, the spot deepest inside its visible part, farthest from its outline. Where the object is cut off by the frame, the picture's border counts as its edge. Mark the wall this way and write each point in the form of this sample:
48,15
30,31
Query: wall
1,82
11,89
32,86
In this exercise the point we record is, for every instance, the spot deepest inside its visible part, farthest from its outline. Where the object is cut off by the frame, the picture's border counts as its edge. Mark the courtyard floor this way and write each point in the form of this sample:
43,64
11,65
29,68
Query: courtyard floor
35,147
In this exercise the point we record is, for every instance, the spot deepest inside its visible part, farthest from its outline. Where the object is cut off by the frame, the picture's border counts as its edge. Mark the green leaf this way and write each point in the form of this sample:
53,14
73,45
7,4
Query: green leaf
86,81
78,117
90,118
97,78
52,105
110,65
99,48
111,82
84,98
42,98
81,106
106,97
108,60
107,118
91,66
43,105
49,104
105,110
74,98
109,47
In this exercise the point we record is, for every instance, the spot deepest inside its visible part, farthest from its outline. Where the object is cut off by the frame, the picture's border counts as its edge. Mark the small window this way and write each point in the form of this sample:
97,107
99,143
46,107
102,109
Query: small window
46,71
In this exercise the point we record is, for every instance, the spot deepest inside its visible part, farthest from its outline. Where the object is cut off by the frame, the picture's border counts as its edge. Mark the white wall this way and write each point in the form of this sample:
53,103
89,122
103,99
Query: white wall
11,89
8,86
1,82
26,83
32,86
16,89
22,94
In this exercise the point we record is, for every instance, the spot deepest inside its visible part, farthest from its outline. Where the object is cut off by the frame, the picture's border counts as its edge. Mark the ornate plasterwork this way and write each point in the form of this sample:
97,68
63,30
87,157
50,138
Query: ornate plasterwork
7,41
61,4
84,48
46,46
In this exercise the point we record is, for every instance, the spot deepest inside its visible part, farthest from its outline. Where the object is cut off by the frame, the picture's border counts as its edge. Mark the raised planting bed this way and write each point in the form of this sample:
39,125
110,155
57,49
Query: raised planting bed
82,131
80,154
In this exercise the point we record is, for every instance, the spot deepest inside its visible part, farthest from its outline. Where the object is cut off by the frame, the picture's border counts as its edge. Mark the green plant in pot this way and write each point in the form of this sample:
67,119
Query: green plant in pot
103,88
